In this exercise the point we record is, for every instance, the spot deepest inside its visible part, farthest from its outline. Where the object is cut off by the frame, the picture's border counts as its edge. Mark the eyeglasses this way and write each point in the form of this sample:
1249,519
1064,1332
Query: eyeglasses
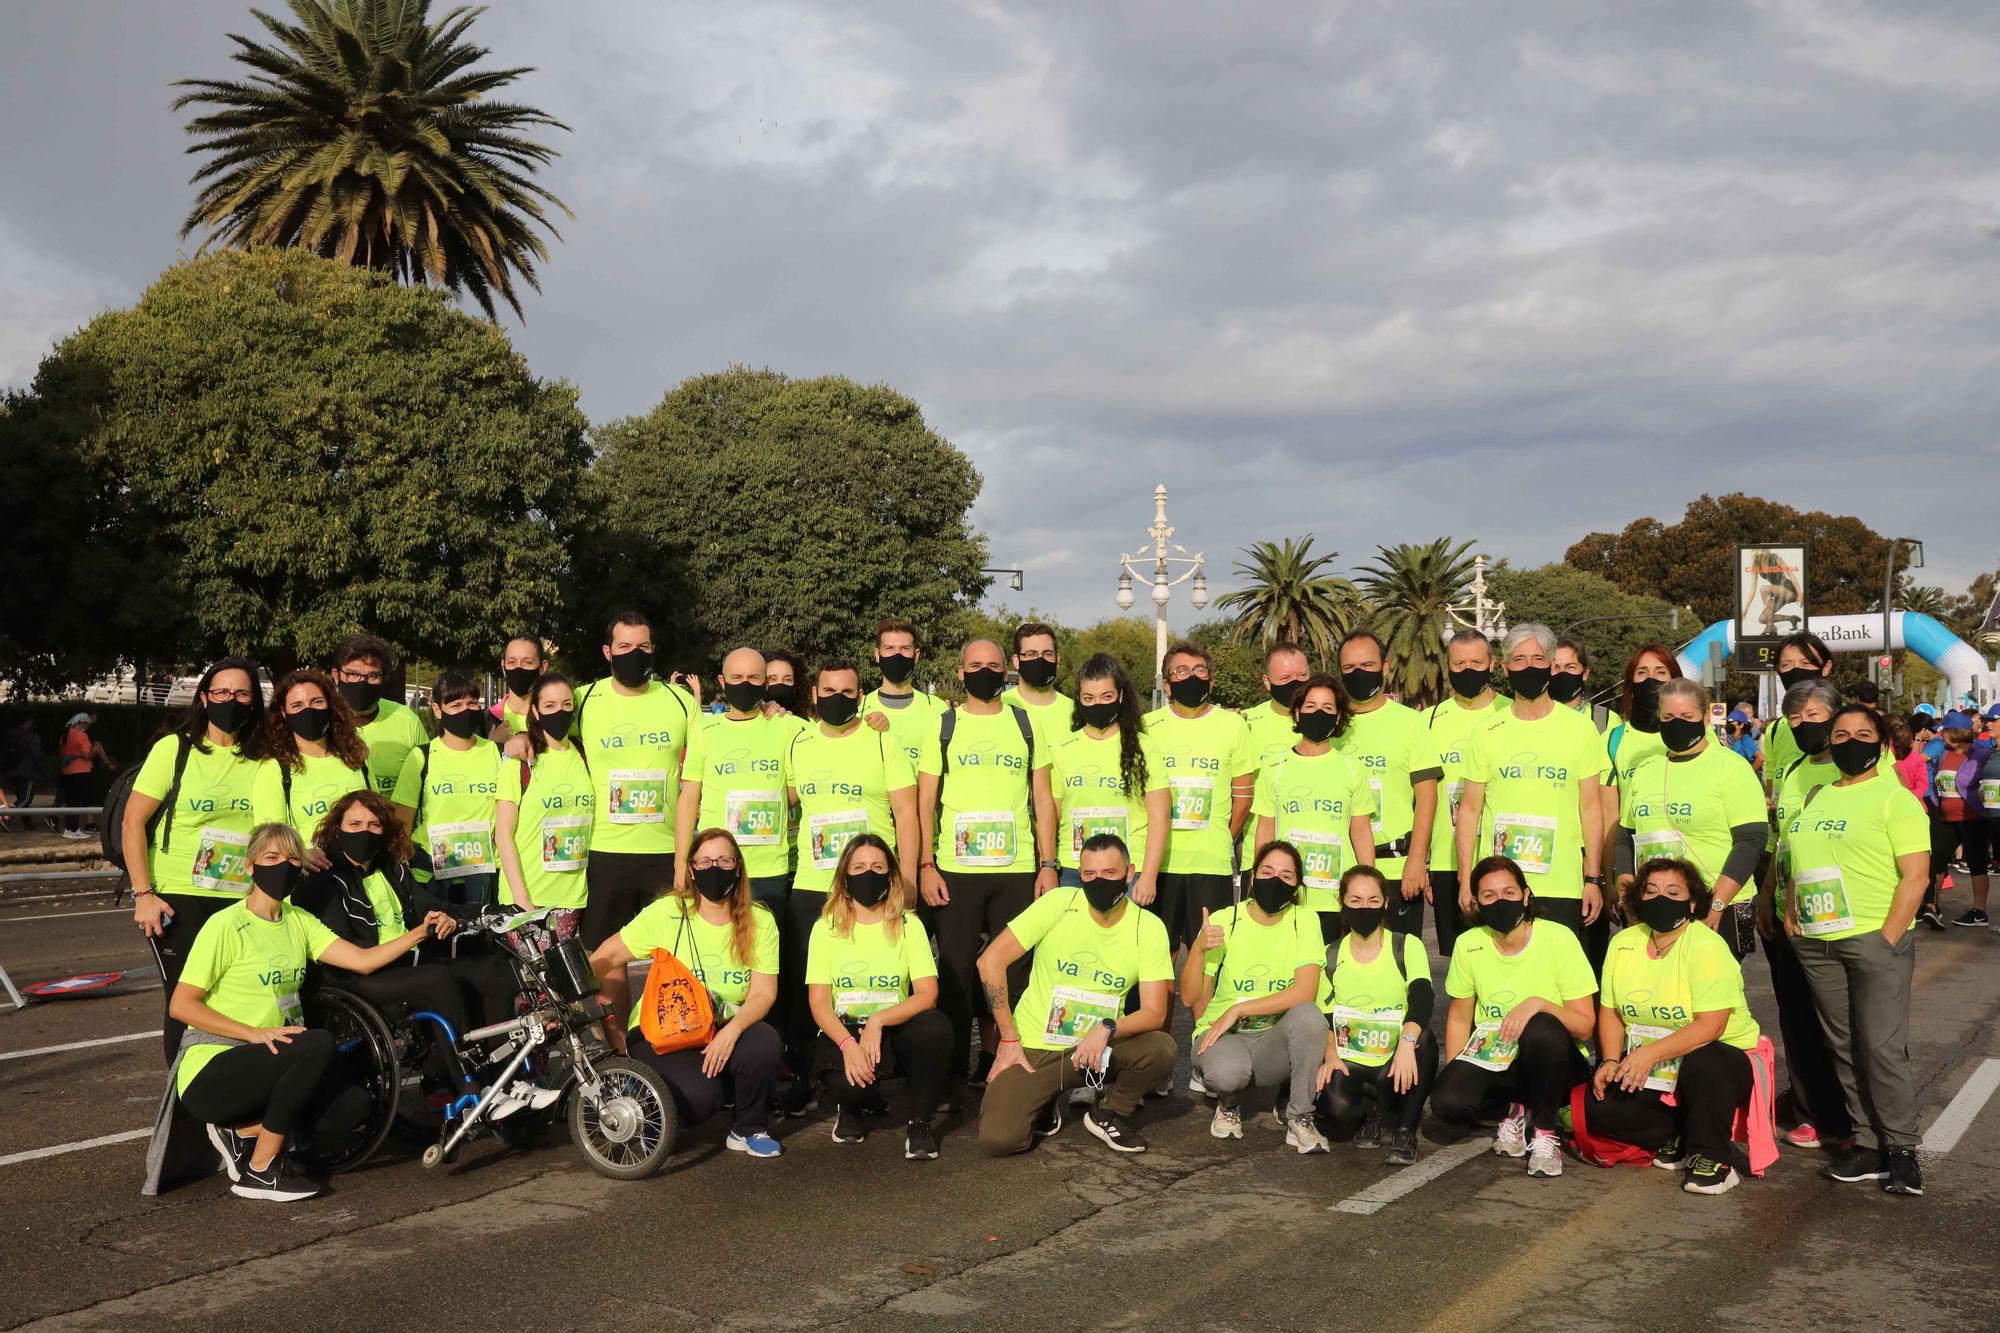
353,677
224,696
1183,672
715,863
1038,655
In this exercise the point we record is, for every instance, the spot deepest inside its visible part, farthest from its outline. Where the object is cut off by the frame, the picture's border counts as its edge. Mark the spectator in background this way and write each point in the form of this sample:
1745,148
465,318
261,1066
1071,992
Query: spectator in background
1906,740
80,756
21,762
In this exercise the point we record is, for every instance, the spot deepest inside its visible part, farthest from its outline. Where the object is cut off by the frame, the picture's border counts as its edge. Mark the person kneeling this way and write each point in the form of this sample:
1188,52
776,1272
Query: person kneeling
1673,1004
872,985
1380,1054
1092,948
1250,975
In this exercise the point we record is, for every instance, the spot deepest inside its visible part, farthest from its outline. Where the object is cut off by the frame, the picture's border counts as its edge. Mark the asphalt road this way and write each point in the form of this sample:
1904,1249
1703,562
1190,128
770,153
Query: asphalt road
1195,1233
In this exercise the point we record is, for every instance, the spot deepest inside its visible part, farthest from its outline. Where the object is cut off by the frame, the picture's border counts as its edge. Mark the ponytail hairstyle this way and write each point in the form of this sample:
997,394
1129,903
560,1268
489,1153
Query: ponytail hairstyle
538,740
1131,759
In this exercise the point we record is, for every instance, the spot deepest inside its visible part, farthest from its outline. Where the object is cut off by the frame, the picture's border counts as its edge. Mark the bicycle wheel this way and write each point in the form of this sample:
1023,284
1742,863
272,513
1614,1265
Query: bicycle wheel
627,1129
365,1052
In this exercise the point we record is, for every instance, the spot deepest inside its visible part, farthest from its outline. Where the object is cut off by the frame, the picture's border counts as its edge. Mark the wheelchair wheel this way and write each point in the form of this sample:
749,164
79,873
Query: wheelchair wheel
627,1130
365,1052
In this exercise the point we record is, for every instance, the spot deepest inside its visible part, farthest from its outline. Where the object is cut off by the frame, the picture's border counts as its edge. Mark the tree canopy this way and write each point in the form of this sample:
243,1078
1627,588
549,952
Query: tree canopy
1610,623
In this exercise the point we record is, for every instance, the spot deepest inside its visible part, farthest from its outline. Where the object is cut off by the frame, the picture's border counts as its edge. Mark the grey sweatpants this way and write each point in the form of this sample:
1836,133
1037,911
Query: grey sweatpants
1861,988
1292,1048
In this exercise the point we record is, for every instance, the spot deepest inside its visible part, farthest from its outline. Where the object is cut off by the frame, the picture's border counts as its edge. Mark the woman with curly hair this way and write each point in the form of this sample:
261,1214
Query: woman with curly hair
315,755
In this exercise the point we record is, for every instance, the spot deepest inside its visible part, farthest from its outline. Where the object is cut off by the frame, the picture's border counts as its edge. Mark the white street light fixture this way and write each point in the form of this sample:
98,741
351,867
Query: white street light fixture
1485,615
1163,581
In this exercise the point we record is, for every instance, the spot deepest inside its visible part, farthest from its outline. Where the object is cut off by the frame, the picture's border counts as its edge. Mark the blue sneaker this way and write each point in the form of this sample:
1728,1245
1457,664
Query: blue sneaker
757,1145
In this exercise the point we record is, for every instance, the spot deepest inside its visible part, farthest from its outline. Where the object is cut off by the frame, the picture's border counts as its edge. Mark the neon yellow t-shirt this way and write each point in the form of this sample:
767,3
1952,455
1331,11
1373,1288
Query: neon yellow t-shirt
1089,787
843,783
1271,734
1793,790
1051,721
1204,756
1082,971
1841,854
1634,747
866,970
460,792
205,851
1687,807
553,832
1255,960
1312,801
390,736
1367,1001
1550,967
1391,745
1451,725
909,724
673,923
744,768
324,780
1780,750
1699,975
251,970
1533,772
638,745
983,819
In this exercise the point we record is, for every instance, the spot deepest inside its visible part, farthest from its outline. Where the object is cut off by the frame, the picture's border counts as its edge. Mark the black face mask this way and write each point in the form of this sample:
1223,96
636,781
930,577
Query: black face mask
520,680
1467,682
1103,894
785,696
1664,914
1286,693
1362,920
556,725
714,883
1039,673
632,667
361,695
465,723
1189,691
1680,734
1797,676
1503,914
743,695
868,888
837,710
985,683
1855,757
359,845
1318,725
1272,894
310,724
1566,687
1646,704
896,667
1098,715
1812,736
229,715
1362,685
277,881
1529,682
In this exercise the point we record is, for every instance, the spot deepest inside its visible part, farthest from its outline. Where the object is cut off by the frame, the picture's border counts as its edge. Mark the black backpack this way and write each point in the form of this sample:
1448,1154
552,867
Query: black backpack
111,827
948,725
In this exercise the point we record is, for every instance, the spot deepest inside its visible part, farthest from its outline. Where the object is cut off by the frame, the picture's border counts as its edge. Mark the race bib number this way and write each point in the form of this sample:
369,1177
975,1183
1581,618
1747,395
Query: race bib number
1529,839
1375,796
1365,1036
754,817
291,1012
565,842
222,861
1947,785
637,796
460,849
827,835
1822,900
860,1004
1322,854
1486,1050
1452,791
1073,1012
1989,793
1666,1073
1087,821
1660,842
1194,799
983,837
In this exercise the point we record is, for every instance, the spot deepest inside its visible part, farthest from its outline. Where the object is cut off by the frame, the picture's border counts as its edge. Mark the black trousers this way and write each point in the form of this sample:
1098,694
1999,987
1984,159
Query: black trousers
1568,913
1444,909
298,1086
619,884
1547,1066
1181,899
749,1076
982,903
466,992
73,789
1404,914
1714,1083
1347,1096
775,892
918,1052
171,947
1808,1056
793,1009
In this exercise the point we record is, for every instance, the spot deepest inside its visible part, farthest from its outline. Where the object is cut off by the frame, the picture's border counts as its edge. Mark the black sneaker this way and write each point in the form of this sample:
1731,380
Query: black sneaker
232,1149
1858,1164
1050,1120
796,1100
1705,1175
847,1126
1671,1156
920,1142
980,1069
1905,1176
1115,1130
874,1103
1929,915
278,1182
1403,1148
1971,916
1370,1133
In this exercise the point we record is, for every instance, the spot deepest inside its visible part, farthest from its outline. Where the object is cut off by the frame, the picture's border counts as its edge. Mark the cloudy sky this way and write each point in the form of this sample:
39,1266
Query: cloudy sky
1378,273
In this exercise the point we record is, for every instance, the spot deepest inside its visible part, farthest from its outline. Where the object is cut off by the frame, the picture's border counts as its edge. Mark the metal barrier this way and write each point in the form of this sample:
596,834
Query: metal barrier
48,812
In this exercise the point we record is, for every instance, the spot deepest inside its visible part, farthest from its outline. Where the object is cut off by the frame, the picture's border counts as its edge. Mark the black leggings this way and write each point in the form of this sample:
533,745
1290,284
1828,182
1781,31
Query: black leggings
1714,1083
1179,901
1568,912
1444,909
982,903
171,947
1547,1066
794,1010
916,1051
299,1085
466,992
1808,1058
1346,1098
618,885
749,1075
74,789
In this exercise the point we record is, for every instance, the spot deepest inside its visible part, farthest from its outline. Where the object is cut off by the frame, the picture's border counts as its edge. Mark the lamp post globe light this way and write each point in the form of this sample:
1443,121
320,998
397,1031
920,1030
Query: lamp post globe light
1483,613
1165,554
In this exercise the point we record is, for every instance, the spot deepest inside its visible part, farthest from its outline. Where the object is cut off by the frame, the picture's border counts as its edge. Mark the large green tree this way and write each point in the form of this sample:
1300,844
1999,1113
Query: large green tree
1610,623
1413,589
1290,595
363,134
281,449
753,508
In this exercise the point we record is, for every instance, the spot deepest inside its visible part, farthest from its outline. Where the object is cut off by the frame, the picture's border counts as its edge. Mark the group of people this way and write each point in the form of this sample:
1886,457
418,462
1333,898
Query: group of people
887,893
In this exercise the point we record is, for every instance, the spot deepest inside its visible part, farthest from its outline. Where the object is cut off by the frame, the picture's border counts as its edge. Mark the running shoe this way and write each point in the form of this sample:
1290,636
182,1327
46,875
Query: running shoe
1545,1154
1196,1086
1802,1135
1705,1175
1855,1163
1905,1176
797,1100
1511,1138
1929,915
1116,1131
1971,916
232,1149
278,1182
1403,1148
756,1145
1303,1134
847,1126
981,1068
920,1142
1671,1156
1370,1133
1050,1120
1228,1123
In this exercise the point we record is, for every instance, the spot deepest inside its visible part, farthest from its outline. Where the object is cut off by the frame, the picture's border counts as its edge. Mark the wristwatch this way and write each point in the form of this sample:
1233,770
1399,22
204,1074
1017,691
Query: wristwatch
1598,880
1110,1028
1049,865
1408,1039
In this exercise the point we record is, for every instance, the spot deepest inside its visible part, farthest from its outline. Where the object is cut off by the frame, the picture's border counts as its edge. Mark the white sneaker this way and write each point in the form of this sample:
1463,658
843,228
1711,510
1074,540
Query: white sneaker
1228,1123
536,1096
1511,1138
503,1102
1196,1086
1303,1134
1545,1155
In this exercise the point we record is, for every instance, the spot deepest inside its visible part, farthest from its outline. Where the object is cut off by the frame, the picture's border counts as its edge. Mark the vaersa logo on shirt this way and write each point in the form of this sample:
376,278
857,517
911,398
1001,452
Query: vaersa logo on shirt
1540,772
1087,969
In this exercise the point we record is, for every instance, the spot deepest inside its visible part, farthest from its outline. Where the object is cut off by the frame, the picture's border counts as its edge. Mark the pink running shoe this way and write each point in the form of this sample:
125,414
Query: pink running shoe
1803,1135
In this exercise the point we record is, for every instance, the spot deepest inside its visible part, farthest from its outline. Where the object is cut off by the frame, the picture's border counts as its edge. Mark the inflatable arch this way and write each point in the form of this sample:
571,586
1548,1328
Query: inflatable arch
1966,673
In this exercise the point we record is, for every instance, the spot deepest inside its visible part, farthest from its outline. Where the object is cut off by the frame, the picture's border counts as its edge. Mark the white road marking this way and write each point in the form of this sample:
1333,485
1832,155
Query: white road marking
1951,1124
77,1045
64,916
105,1140
1410,1179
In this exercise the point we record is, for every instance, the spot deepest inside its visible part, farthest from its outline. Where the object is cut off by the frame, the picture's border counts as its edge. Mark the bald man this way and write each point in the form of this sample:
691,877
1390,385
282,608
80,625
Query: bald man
988,822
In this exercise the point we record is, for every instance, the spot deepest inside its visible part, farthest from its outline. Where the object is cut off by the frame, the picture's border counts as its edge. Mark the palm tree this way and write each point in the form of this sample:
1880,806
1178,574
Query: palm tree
1290,598
365,137
1413,588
